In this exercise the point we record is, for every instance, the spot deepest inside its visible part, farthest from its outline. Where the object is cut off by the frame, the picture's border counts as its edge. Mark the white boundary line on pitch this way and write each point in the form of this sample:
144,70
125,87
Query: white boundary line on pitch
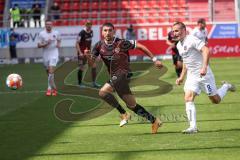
21,92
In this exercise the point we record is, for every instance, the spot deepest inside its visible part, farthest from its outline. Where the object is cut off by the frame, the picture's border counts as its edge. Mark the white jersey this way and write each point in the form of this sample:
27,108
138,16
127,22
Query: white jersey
201,34
51,51
192,57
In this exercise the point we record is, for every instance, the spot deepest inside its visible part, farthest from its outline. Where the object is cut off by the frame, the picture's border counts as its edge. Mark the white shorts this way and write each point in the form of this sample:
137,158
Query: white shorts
198,84
50,62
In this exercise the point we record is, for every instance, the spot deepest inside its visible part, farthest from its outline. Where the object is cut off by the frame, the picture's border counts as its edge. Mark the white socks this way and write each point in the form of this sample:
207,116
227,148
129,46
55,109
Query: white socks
51,83
223,90
191,114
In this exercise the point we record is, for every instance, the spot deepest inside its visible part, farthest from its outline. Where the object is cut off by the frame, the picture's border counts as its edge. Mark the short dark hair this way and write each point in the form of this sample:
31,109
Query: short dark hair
48,20
181,24
201,20
108,25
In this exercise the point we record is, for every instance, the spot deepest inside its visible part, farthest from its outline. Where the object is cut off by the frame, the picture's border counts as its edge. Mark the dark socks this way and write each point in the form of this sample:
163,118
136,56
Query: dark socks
111,100
139,110
80,76
94,74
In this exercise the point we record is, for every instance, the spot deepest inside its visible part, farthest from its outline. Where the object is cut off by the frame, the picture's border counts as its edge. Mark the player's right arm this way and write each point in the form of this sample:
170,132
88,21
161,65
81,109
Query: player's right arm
95,53
77,45
42,43
181,78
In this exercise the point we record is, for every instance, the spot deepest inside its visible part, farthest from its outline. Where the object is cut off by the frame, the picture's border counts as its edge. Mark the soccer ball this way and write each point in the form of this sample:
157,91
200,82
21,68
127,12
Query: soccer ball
14,81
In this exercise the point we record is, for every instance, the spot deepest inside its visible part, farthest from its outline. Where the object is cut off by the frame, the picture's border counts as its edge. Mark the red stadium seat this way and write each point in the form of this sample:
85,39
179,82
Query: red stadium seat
65,7
76,6
113,14
94,14
64,23
95,6
84,14
113,5
103,5
84,6
65,15
104,14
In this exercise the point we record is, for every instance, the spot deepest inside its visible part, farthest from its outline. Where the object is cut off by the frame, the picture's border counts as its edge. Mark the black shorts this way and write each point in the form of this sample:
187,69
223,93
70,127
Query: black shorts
120,83
176,58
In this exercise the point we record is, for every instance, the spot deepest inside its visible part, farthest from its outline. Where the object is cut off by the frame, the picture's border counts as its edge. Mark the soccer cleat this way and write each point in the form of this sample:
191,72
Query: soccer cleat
157,123
48,92
82,86
54,92
125,117
231,87
96,85
190,130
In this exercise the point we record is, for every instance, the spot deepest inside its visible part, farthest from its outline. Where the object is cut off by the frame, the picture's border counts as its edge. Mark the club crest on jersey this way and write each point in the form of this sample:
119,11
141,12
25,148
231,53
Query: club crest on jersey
117,50
114,78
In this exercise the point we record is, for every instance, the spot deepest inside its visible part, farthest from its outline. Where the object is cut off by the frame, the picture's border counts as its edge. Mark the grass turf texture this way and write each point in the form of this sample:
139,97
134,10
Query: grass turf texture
30,129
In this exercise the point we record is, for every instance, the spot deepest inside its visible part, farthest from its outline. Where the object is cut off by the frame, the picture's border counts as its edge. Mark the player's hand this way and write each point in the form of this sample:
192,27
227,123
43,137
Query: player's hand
158,64
203,71
86,51
58,45
179,81
80,55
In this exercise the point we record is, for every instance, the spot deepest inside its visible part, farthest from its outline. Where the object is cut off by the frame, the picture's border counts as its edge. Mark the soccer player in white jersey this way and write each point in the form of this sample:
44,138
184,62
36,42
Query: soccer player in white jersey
199,75
49,40
201,31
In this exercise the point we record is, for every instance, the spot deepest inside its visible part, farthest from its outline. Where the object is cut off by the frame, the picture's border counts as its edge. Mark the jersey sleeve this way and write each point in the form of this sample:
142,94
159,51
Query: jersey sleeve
96,49
79,36
58,36
40,38
198,43
126,45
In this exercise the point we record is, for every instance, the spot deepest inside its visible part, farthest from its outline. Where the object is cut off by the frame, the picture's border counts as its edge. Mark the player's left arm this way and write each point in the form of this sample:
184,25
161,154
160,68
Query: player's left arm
146,51
58,40
206,57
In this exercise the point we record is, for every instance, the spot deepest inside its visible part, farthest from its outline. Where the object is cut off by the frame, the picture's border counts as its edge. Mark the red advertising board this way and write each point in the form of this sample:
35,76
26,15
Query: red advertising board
218,47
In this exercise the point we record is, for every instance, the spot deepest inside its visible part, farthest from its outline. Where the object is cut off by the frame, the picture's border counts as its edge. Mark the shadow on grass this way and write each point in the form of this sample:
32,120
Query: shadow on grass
38,123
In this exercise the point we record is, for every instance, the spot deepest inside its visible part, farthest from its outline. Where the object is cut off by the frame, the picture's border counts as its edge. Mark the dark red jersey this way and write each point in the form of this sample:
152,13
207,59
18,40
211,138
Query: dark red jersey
171,39
85,39
115,55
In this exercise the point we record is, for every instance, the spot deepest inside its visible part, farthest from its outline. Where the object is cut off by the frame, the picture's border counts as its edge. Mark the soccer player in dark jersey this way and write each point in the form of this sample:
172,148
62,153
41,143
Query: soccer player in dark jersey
84,41
177,59
114,53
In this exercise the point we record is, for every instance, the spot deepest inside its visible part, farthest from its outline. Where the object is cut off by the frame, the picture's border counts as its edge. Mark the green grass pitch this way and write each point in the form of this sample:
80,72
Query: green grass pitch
36,127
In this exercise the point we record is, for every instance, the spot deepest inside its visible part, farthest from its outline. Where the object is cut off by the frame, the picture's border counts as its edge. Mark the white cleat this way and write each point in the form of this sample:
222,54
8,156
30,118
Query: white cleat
231,87
123,122
125,117
190,131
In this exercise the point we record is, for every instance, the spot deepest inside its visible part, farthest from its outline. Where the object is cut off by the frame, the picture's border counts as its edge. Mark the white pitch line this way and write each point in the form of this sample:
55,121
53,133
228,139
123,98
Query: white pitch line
21,92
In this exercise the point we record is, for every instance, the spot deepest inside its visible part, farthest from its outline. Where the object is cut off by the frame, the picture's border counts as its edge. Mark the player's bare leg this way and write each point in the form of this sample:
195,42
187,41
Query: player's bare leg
191,112
106,94
130,101
94,74
222,91
51,70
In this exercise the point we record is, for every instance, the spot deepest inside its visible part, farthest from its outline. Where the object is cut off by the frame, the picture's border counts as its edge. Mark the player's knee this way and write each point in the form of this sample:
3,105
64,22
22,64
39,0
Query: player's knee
188,98
216,101
102,93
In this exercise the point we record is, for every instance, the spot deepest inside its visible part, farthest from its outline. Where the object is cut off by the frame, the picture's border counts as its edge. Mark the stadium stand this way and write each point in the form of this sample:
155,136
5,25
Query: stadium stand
75,12
2,4
27,3
226,7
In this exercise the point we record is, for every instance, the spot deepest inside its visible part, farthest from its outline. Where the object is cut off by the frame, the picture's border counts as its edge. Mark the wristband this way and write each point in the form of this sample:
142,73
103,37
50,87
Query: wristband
154,59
